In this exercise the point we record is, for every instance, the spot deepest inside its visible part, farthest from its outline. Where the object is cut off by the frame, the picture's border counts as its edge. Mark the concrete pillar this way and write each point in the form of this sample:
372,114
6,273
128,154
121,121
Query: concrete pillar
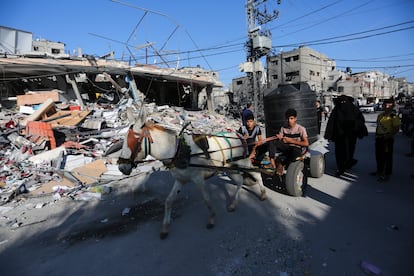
194,100
209,92
76,90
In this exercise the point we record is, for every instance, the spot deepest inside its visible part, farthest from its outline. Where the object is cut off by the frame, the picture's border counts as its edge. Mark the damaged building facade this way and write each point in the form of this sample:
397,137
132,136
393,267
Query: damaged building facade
28,65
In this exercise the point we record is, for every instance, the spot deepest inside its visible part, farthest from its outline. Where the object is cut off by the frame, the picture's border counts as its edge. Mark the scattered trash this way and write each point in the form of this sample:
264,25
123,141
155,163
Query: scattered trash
101,189
370,269
86,196
16,225
125,212
39,205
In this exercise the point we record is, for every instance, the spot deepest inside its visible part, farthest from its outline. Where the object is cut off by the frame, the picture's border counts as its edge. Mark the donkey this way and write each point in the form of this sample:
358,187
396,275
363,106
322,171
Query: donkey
190,158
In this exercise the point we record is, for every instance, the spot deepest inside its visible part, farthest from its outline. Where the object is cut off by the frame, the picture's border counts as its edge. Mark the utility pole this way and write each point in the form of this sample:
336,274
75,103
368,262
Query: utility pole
258,44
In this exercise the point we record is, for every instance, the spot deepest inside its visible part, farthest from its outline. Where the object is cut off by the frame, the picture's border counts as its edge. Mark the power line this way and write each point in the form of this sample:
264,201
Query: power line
376,58
313,42
357,60
307,14
359,33
328,19
383,67
342,40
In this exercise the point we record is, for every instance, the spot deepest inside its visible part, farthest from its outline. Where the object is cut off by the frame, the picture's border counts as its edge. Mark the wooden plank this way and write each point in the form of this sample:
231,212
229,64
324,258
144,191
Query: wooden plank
67,118
37,98
48,107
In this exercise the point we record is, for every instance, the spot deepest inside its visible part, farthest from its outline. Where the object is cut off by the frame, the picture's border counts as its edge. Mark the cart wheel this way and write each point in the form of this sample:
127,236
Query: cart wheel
296,178
317,165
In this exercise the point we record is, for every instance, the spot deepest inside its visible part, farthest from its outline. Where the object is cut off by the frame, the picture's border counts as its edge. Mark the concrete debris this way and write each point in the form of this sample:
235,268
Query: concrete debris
70,150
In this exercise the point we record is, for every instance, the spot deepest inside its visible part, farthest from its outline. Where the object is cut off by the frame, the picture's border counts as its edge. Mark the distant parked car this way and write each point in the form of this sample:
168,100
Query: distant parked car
367,108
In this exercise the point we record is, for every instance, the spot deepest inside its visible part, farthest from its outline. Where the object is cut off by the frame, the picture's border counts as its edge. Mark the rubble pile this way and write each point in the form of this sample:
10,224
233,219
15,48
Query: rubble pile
61,150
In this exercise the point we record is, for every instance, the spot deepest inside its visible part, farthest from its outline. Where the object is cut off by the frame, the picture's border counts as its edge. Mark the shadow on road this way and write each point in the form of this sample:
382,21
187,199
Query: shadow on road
339,223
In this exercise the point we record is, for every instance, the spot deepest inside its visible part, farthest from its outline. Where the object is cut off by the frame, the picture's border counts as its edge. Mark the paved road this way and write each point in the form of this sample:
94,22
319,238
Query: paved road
341,222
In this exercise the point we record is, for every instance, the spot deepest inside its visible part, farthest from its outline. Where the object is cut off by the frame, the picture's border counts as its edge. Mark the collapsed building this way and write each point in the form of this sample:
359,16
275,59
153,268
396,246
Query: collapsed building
31,65
63,117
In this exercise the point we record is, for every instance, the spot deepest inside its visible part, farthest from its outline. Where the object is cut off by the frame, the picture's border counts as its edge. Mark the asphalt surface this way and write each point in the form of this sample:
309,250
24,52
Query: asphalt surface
340,223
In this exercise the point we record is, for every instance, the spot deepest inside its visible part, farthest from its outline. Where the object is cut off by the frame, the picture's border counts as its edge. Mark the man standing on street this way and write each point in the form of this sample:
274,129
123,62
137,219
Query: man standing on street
388,125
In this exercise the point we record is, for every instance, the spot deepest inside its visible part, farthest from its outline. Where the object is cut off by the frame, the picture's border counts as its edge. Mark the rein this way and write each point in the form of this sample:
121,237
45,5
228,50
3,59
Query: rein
239,146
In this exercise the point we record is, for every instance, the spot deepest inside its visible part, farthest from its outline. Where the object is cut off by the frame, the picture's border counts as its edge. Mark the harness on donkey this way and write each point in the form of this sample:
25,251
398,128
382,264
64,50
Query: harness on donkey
191,158
183,153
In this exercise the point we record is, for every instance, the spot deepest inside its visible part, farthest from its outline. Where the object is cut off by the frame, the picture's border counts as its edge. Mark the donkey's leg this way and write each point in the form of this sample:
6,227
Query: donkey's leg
168,205
252,178
201,183
238,179
262,188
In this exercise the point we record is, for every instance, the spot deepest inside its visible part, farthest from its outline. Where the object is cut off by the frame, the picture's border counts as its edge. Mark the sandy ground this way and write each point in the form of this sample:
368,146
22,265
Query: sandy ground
337,225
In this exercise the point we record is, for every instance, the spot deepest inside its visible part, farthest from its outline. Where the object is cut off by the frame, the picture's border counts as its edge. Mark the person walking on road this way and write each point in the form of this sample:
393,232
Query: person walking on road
345,125
319,112
326,112
388,125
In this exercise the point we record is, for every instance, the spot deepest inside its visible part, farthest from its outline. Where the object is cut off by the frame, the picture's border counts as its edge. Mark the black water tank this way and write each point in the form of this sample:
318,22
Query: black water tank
298,96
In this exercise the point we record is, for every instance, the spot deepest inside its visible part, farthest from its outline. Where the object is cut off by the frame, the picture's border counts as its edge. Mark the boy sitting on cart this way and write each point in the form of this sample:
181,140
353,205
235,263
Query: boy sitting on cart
291,141
253,137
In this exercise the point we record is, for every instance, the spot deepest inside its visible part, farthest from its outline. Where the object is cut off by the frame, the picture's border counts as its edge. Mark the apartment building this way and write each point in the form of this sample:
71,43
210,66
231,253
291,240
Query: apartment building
372,84
300,65
319,71
241,88
43,46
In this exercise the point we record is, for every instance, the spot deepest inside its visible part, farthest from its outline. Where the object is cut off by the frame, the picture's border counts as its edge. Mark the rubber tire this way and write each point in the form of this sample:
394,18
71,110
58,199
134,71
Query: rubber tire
296,178
317,165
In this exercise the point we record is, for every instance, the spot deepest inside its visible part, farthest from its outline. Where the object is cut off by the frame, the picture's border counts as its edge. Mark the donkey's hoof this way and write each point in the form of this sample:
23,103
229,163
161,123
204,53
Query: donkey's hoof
263,197
231,208
163,235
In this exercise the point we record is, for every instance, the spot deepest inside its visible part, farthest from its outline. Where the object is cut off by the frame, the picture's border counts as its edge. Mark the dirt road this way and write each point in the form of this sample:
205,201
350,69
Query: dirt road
340,222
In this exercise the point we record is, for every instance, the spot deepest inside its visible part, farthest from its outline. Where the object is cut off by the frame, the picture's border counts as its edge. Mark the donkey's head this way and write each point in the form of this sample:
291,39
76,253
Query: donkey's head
132,144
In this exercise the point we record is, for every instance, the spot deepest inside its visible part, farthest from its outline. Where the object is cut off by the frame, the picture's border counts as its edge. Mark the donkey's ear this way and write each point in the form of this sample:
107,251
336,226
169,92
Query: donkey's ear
143,113
141,119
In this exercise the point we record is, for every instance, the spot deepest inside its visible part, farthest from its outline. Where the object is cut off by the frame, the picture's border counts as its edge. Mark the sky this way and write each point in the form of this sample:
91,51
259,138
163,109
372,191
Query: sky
363,35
